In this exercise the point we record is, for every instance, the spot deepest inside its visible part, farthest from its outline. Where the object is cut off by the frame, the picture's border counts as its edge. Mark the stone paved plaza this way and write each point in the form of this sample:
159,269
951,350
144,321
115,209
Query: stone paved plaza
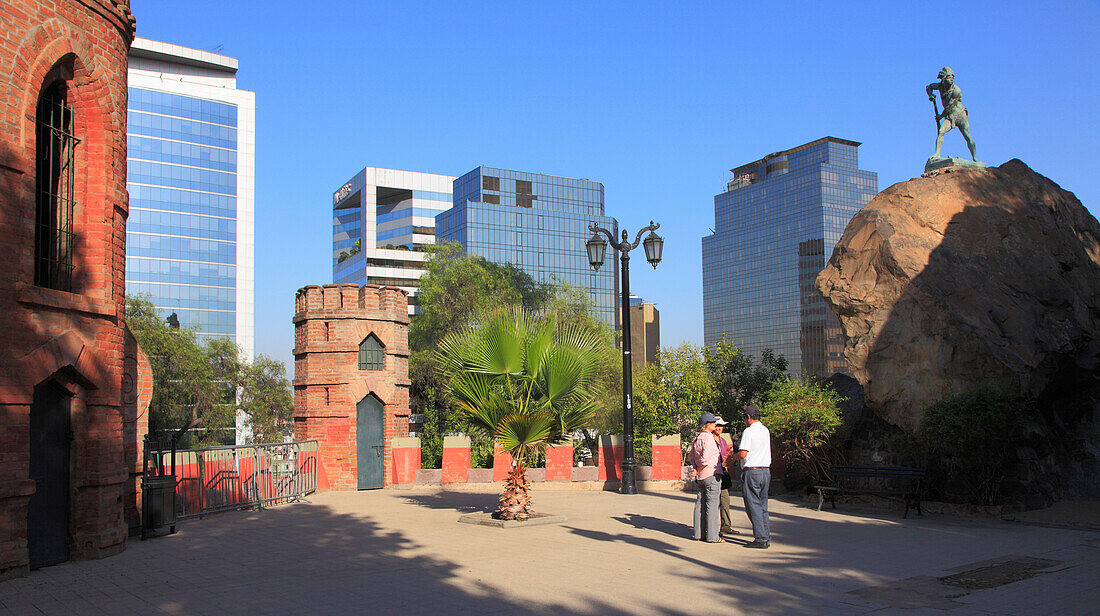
404,552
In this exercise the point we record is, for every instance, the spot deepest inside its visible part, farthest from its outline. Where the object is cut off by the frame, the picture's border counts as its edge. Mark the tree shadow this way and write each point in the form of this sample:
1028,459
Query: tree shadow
317,559
725,568
661,525
463,502
296,558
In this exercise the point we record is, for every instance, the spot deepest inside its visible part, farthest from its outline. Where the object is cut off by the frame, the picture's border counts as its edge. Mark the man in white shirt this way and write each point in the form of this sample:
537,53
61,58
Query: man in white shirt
755,453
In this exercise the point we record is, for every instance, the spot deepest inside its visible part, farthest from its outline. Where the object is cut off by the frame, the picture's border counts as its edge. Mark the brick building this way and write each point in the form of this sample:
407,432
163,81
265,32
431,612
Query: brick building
351,380
71,375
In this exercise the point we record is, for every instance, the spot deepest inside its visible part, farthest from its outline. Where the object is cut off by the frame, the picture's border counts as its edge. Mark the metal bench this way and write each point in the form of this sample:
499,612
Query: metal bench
907,482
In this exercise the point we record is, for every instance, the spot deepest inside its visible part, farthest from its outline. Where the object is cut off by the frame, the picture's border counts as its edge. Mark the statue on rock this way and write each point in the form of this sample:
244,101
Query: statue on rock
954,116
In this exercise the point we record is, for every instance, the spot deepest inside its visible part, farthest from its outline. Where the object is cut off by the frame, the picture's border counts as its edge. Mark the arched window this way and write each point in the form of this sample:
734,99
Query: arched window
54,174
371,354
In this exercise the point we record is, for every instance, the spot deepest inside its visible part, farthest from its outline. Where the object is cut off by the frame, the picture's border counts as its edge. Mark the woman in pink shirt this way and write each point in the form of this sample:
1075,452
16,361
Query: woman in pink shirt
703,458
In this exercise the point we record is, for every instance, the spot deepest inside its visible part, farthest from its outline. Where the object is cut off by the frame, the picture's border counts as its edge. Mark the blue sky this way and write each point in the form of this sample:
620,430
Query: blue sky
656,100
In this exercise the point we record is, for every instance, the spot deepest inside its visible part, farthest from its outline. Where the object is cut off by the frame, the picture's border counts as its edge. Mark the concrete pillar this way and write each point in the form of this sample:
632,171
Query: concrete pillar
559,462
667,460
406,460
456,458
611,456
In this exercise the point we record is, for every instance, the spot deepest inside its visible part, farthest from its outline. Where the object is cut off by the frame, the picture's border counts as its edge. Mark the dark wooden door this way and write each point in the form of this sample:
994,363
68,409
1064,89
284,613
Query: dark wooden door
48,511
369,442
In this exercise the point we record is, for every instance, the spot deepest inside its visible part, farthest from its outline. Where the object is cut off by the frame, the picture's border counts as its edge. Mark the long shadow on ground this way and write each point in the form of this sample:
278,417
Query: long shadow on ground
239,562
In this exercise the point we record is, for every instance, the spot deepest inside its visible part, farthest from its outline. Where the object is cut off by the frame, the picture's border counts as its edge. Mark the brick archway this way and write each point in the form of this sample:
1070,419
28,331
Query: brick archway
100,125
67,353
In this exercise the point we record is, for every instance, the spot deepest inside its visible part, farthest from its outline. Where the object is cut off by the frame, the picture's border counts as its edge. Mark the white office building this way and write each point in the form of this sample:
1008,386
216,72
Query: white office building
191,141
381,220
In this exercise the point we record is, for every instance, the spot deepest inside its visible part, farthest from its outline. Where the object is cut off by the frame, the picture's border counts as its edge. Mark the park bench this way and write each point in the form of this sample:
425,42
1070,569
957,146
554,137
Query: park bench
873,480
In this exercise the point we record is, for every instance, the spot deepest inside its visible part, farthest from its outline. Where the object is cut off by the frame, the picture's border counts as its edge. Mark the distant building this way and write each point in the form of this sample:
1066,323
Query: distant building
381,219
191,144
536,222
645,331
775,227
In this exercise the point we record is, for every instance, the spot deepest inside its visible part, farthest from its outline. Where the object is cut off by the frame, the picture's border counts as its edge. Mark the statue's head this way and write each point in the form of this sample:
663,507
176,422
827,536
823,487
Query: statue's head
946,73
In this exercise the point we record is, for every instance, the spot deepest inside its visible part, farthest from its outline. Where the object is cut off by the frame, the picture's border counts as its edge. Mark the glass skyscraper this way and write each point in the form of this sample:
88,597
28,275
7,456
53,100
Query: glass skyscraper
190,156
774,229
381,218
536,222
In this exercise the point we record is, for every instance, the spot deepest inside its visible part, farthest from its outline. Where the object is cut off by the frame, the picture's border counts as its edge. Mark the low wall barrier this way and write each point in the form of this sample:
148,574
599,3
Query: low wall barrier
559,468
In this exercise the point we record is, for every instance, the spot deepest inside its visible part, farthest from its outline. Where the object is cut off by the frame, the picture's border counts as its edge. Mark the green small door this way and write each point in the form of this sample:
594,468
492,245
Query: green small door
368,442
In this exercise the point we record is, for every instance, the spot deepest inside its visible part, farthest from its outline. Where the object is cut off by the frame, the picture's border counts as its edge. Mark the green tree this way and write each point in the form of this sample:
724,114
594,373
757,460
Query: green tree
523,381
738,380
802,417
455,291
203,384
458,288
267,399
669,396
572,305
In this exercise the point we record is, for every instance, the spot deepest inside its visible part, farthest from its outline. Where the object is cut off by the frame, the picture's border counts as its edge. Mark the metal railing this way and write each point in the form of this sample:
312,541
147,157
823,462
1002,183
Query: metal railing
227,478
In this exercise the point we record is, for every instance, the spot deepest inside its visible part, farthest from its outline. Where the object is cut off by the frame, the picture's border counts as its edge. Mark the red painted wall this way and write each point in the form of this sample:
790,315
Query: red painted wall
456,459
611,457
559,462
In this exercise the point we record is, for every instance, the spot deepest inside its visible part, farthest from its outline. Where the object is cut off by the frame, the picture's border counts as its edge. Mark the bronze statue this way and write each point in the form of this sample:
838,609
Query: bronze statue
954,114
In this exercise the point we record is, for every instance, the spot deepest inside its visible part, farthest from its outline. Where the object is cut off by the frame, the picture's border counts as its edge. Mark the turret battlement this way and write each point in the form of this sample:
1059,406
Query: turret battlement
351,300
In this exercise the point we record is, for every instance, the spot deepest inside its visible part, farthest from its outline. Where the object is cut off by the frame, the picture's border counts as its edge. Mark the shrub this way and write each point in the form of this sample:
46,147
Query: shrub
802,418
968,438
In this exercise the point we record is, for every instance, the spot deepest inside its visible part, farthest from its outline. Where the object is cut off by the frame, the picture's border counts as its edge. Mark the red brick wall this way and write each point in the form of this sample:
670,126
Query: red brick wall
329,324
74,338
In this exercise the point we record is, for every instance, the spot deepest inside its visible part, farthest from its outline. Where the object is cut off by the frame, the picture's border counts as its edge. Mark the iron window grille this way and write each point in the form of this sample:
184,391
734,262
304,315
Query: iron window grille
371,354
54,199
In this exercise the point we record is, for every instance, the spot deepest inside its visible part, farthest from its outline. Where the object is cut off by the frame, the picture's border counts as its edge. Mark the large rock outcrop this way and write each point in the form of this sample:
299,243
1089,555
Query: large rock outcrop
968,278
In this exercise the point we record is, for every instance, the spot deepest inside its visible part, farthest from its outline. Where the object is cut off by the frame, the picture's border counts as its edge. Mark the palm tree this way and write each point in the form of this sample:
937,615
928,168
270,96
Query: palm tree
524,381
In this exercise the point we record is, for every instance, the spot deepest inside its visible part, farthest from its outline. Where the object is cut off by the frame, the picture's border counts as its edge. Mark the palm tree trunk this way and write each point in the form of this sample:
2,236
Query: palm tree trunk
515,501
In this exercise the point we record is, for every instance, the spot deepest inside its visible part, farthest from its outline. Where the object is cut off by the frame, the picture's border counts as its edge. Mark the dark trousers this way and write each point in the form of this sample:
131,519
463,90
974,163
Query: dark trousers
724,503
755,484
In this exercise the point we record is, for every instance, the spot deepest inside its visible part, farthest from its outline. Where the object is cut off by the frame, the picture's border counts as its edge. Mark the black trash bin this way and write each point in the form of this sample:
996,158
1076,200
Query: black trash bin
158,504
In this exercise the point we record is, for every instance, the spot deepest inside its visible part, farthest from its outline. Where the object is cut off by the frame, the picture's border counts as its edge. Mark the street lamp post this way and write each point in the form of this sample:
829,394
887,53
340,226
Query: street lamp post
596,248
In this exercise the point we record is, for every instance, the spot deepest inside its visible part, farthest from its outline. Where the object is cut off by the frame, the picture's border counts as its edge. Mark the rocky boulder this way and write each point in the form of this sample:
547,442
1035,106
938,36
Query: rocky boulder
972,277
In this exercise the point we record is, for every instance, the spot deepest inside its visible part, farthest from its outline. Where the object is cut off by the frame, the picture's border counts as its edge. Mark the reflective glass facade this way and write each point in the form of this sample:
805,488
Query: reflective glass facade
775,228
536,222
189,174
381,220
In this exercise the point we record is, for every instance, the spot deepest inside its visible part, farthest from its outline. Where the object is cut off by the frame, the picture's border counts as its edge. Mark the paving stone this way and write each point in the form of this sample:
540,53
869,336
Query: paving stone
405,552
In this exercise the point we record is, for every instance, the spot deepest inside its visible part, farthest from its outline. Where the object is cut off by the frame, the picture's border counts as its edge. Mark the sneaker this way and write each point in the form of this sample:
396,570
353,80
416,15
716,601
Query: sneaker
759,545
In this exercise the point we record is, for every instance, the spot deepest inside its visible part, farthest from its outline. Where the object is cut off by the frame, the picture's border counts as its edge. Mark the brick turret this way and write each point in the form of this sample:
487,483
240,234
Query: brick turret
331,322
74,386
